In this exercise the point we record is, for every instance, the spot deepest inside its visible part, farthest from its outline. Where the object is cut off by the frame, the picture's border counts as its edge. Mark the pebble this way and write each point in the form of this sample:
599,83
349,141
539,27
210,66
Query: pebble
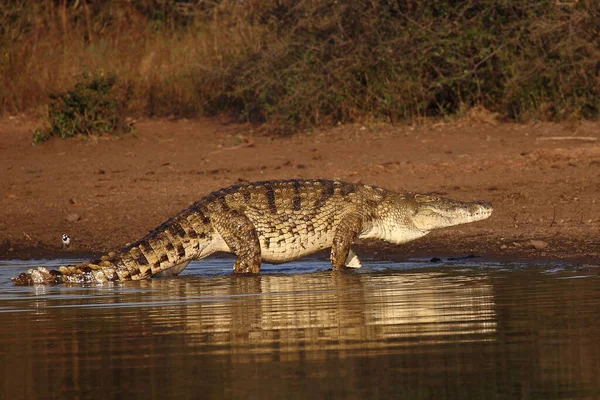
538,244
504,247
73,217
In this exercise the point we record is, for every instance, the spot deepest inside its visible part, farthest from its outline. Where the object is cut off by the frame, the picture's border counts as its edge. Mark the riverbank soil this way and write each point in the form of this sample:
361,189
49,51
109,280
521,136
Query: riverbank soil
543,180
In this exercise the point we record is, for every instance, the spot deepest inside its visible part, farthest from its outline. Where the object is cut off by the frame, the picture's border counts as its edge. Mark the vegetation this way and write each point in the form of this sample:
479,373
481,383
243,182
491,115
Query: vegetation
302,63
91,108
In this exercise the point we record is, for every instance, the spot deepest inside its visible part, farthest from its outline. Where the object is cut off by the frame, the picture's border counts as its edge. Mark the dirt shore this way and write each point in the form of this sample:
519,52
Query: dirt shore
543,179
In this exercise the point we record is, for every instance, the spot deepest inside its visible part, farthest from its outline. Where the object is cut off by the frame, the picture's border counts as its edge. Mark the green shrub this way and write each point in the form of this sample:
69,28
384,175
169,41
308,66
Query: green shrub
91,108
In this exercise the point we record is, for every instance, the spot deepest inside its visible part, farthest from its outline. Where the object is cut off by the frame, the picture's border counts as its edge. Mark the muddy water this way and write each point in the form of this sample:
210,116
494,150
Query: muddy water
456,331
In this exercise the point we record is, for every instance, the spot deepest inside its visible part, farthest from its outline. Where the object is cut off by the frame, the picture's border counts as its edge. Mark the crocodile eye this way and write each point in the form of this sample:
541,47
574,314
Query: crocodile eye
425,198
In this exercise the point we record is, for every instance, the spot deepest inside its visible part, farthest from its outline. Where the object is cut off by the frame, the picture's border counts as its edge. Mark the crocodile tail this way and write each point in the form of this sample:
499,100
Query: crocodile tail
81,273
173,243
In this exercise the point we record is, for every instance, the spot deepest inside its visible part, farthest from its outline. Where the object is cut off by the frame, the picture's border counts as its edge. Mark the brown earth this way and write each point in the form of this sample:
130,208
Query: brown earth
543,179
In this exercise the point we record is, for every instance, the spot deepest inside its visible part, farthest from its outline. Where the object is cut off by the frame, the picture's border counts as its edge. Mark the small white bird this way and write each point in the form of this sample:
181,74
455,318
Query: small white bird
66,240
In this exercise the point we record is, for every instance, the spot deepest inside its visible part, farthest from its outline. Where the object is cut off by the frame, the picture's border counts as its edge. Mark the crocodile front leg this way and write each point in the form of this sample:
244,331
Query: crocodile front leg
347,231
241,237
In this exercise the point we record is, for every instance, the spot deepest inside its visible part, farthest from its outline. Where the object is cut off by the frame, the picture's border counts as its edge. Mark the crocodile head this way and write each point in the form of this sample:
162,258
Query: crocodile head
434,212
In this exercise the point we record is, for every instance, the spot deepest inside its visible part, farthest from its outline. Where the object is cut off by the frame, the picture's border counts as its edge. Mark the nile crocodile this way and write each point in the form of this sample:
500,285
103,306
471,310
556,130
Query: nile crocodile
272,221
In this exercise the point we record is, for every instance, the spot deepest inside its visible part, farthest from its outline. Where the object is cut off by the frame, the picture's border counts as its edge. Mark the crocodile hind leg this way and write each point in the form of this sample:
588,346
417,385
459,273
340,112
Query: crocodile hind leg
347,231
241,237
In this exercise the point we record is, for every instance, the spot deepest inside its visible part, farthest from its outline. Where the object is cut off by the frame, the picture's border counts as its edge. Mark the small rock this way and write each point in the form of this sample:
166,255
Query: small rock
73,217
504,247
435,259
516,244
538,244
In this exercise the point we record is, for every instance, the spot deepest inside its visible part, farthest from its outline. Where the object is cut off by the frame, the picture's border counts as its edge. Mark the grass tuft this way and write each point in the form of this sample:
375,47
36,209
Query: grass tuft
91,108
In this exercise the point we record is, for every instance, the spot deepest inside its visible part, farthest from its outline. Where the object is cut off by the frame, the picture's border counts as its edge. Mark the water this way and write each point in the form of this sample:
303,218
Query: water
409,331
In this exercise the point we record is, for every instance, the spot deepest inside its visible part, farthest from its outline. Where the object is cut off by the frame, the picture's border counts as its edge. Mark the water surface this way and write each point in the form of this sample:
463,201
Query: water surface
457,330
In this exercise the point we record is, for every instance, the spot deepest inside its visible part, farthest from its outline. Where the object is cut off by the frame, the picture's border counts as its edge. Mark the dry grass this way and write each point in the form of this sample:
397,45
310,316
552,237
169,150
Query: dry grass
48,48
298,64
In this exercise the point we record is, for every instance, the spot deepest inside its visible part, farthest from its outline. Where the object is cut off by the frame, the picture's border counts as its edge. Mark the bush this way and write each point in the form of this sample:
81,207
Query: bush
91,108
399,61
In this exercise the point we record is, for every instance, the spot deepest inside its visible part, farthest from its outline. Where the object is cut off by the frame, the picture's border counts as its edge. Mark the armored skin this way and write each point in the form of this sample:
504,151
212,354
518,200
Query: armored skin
272,221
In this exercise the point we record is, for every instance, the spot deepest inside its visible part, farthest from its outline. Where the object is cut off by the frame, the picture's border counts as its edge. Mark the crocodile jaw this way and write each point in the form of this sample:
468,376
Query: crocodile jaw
446,212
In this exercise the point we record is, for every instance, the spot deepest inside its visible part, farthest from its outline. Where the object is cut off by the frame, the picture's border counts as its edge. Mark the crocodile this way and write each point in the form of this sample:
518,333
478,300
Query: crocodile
275,222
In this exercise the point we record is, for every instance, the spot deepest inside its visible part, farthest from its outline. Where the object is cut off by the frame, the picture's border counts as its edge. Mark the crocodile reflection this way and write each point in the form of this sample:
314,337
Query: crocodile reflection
288,314
322,311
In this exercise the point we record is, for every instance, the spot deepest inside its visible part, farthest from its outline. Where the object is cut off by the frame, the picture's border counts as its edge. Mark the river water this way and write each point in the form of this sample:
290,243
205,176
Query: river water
457,330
